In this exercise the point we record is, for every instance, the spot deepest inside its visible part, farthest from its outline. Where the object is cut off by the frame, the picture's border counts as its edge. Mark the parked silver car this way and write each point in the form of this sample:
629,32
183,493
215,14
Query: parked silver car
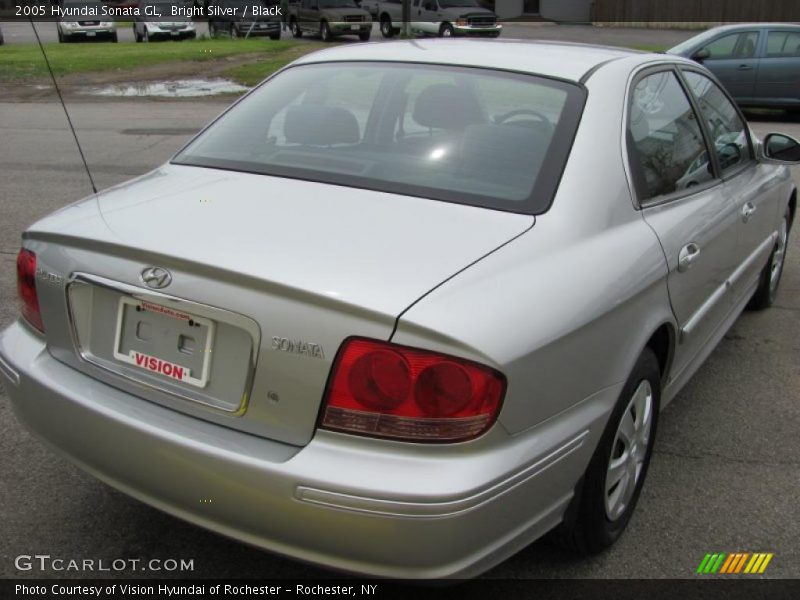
158,21
85,20
405,307
759,63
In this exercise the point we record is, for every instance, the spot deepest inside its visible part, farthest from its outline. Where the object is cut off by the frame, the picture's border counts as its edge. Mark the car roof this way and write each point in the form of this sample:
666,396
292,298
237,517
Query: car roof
740,26
561,60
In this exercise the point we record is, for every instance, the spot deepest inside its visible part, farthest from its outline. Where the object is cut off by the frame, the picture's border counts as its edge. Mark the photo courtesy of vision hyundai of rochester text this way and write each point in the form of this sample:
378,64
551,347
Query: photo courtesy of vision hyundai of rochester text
425,303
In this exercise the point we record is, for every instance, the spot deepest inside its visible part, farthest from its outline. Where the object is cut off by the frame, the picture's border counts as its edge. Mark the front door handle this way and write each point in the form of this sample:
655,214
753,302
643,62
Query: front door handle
747,211
687,256
744,68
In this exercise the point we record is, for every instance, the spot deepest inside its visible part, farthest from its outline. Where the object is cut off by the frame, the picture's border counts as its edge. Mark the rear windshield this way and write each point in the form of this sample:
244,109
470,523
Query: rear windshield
467,135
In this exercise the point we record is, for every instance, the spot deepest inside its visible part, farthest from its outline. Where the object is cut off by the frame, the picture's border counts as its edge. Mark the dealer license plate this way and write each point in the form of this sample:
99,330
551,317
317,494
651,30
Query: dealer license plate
166,342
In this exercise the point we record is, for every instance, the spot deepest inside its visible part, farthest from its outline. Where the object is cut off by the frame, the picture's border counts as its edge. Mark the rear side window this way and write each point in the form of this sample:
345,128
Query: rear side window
665,143
727,129
783,43
467,135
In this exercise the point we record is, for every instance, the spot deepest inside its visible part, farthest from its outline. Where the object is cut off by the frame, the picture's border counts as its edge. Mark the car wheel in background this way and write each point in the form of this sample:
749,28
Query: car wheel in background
606,497
770,278
295,27
446,30
324,31
387,30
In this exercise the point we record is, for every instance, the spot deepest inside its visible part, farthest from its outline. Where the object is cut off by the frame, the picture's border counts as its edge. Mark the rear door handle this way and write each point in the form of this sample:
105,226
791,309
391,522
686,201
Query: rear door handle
747,211
687,256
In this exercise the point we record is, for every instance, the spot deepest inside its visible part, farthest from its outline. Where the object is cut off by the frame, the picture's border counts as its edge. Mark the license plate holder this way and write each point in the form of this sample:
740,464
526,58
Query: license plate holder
91,33
355,27
168,343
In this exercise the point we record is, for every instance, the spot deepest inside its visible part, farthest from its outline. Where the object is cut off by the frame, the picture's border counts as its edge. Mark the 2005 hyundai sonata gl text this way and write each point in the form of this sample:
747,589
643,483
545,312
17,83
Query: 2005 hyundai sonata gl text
404,308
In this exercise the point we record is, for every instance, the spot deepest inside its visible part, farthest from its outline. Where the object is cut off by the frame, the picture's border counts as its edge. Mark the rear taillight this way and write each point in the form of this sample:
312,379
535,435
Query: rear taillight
26,288
385,390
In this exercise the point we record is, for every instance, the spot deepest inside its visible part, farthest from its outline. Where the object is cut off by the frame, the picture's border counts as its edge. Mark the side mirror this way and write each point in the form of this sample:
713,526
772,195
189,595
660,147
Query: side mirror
781,148
701,55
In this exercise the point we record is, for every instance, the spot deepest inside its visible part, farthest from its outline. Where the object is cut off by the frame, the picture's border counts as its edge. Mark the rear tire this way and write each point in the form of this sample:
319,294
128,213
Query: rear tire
607,496
770,277
446,30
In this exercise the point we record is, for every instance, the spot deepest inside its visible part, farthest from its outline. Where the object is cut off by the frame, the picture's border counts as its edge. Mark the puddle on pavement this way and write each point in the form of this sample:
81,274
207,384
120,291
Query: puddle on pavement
184,88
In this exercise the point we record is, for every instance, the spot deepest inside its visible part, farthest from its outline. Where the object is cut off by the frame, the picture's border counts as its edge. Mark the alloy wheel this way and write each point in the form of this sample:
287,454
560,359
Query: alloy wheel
629,450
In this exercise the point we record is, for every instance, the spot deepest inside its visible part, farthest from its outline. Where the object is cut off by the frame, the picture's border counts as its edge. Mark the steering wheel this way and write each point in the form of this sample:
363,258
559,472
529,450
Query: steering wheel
521,111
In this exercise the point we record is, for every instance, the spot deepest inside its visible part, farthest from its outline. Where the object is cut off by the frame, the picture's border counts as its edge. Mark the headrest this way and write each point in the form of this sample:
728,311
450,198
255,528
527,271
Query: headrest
500,152
319,125
443,106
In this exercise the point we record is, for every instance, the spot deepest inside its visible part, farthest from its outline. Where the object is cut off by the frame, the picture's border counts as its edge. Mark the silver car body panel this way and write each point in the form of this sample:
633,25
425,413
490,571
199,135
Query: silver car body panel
563,308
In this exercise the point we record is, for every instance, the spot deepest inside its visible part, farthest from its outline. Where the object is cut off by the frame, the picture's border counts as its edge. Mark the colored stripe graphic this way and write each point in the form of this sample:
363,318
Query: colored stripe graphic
734,563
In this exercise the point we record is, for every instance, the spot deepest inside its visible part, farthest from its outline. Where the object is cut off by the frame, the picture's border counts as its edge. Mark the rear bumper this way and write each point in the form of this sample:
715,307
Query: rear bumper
353,504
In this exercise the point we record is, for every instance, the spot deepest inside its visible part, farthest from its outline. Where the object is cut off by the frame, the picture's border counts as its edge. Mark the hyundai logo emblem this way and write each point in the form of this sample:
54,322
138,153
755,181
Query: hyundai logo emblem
156,277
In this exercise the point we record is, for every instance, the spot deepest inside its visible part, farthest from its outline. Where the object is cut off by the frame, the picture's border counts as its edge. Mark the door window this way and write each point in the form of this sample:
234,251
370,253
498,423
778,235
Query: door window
728,131
734,45
665,143
783,43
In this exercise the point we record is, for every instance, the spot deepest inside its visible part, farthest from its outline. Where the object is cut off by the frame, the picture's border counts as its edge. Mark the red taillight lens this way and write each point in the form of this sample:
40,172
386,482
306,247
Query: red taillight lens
26,288
385,390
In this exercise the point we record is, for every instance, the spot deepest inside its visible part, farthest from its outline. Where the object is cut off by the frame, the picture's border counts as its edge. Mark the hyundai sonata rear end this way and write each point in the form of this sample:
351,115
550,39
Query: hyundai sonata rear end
380,315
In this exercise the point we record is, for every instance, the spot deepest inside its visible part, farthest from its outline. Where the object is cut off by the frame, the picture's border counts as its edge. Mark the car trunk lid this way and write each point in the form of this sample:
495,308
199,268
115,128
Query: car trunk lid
281,270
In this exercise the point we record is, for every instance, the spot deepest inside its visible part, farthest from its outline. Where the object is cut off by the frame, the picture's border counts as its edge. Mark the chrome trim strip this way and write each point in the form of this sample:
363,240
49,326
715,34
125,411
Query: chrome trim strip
434,510
723,289
246,323
7,370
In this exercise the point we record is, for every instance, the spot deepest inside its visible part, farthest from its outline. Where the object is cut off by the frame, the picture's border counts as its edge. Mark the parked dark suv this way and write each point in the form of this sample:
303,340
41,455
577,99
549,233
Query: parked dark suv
234,24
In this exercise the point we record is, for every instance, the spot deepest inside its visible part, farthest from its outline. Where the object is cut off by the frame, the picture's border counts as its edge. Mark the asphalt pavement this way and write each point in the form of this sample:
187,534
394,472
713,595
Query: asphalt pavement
724,477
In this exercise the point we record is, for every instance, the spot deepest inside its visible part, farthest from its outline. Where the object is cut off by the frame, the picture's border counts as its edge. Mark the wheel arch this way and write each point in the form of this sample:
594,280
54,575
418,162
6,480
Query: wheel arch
662,343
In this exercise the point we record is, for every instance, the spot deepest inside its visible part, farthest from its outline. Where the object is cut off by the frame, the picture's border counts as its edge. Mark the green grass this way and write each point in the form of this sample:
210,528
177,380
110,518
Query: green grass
19,62
254,72
650,47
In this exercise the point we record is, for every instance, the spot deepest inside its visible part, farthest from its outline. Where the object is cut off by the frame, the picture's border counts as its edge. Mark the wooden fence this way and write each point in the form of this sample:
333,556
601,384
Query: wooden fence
692,12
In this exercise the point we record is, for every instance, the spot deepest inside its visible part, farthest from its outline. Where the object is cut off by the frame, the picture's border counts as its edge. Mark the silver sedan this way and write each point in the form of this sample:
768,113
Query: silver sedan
404,308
